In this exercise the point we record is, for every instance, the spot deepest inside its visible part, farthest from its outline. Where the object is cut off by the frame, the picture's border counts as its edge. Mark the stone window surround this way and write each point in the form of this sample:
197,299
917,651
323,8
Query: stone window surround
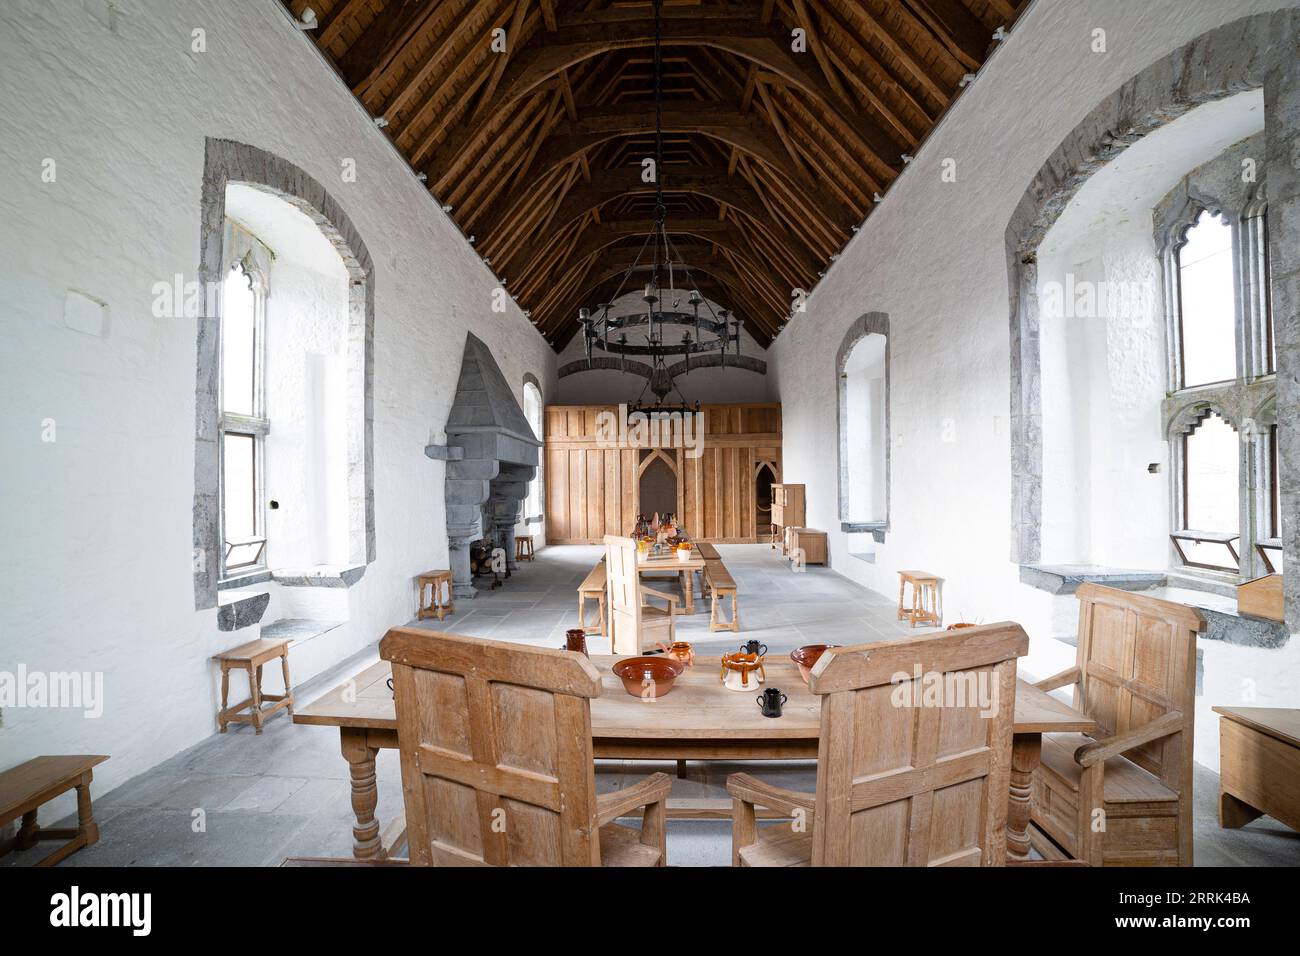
1248,53
1249,402
227,161
531,379
872,323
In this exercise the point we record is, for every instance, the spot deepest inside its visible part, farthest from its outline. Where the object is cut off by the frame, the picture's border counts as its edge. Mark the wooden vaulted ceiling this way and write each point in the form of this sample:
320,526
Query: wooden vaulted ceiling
772,156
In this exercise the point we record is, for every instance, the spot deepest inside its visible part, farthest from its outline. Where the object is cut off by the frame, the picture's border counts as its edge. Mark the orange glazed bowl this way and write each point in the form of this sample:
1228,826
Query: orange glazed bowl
808,655
648,677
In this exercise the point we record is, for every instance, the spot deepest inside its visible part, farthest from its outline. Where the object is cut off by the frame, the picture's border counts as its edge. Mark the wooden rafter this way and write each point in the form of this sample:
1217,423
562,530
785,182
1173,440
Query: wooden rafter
771,156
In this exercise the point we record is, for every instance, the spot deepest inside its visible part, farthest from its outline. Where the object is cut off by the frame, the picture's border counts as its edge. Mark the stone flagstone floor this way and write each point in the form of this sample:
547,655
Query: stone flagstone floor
285,793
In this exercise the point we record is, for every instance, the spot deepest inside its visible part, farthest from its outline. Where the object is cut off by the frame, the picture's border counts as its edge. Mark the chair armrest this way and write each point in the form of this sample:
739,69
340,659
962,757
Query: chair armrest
670,598
1067,677
1101,750
653,789
749,789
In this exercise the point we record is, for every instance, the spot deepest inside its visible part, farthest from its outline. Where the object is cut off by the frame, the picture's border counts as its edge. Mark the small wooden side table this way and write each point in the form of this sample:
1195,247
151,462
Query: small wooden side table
927,603
1259,765
523,547
25,787
436,606
251,657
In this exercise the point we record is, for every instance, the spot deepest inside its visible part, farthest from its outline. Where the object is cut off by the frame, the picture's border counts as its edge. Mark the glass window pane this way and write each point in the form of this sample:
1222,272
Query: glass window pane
1212,554
1211,453
243,555
1207,308
238,345
239,479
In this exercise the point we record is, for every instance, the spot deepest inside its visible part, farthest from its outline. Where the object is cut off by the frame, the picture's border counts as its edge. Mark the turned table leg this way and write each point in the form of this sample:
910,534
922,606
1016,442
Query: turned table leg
366,844
1026,750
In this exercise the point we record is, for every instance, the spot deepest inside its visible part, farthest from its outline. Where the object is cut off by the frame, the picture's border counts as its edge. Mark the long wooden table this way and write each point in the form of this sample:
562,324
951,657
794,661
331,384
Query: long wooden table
684,568
698,720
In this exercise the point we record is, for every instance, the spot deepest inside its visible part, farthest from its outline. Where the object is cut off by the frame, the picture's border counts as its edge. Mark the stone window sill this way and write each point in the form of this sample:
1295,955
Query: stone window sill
319,576
876,529
1066,578
238,608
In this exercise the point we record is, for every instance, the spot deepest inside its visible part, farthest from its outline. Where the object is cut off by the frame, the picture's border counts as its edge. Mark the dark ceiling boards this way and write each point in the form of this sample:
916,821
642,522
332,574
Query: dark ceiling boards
783,120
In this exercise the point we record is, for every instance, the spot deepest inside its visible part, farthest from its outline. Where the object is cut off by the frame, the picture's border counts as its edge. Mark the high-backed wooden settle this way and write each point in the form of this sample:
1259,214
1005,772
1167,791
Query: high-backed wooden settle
497,765
1124,795
592,489
913,763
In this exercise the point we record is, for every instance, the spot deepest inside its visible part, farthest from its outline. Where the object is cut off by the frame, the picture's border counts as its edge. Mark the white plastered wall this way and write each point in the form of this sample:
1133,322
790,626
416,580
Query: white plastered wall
932,256
97,524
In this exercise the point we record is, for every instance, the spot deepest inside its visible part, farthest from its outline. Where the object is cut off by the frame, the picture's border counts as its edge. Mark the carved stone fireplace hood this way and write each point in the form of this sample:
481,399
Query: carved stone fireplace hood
491,454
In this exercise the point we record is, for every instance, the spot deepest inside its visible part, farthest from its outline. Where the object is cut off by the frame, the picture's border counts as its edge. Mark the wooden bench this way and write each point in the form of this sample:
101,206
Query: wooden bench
592,587
251,657
24,788
1259,765
721,586
709,553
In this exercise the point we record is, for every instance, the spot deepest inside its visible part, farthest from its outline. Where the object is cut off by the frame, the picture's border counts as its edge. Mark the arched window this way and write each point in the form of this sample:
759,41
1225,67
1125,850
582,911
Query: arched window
307,360
1210,500
1206,302
533,412
285,353
243,422
1221,367
863,365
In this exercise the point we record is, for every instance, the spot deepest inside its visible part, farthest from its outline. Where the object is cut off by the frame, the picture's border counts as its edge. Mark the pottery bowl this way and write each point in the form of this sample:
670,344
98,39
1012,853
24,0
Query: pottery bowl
807,656
648,677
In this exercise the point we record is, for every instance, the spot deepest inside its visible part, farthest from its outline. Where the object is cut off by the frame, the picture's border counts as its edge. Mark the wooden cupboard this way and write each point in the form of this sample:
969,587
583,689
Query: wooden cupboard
787,511
593,475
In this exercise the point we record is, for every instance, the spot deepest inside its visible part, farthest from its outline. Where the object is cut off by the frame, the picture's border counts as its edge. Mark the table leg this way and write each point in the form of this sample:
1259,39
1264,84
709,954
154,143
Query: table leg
366,844
1026,751
689,587
87,828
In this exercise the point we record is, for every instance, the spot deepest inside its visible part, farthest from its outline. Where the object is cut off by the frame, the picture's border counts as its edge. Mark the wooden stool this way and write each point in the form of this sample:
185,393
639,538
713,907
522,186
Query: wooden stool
436,606
524,547
251,657
25,787
927,607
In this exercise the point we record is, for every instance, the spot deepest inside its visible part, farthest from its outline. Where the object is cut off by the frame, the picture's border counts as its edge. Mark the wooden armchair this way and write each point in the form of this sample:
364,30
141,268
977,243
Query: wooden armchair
1123,798
634,626
903,779
497,765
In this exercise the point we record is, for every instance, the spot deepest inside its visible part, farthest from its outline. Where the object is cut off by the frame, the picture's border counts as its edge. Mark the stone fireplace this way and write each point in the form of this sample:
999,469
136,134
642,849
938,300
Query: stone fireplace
491,455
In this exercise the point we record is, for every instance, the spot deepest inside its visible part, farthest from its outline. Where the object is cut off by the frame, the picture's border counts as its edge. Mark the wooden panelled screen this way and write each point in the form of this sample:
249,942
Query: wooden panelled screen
593,485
